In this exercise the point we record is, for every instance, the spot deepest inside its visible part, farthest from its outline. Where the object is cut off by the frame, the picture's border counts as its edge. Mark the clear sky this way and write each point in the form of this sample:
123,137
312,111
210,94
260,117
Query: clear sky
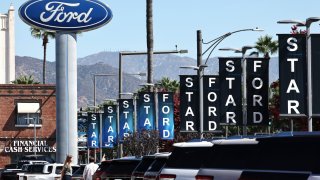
176,23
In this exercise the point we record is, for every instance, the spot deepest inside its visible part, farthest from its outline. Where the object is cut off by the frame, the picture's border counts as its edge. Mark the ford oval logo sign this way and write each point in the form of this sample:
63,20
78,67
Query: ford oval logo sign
65,15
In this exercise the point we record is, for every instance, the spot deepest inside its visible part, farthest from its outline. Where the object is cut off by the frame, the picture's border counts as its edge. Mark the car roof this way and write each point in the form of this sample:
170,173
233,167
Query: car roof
193,144
234,141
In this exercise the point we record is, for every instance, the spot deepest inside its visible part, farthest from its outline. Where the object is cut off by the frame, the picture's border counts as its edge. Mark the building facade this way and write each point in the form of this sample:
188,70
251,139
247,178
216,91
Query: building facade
27,121
7,47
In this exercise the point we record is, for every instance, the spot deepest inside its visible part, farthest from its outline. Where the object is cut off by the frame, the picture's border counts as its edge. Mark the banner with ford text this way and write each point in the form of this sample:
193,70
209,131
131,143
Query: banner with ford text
146,111
126,110
257,91
82,130
109,126
230,86
293,75
166,115
189,103
93,130
211,101
315,67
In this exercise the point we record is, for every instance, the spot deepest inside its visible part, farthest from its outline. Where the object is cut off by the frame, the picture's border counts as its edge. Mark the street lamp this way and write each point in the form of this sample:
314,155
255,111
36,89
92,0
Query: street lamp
244,81
200,66
307,24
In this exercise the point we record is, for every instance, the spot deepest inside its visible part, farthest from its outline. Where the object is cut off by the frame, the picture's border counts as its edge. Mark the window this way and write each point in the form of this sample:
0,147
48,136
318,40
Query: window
28,115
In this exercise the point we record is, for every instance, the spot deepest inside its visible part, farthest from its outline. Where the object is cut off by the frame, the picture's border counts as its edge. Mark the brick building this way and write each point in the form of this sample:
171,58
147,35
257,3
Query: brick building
24,108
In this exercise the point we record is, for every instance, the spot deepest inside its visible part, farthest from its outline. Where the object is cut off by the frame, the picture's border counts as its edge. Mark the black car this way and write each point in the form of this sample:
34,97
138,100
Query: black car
121,168
142,167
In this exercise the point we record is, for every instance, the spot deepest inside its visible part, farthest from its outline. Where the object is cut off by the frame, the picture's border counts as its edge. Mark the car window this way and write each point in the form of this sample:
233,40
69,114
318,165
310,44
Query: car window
157,165
104,165
58,169
50,169
144,164
187,157
36,168
124,167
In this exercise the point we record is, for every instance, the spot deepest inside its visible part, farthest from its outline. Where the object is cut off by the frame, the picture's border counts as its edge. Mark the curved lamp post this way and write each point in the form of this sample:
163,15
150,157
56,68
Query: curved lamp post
307,24
242,50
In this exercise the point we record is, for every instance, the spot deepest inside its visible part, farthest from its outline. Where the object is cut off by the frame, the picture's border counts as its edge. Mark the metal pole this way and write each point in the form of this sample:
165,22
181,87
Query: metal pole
244,92
35,136
100,136
308,46
200,74
120,148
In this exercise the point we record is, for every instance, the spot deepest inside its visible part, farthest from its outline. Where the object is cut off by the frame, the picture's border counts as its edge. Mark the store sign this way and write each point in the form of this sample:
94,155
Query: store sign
29,146
166,115
315,64
82,130
109,126
189,103
211,103
293,75
230,86
93,130
146,111
257,91
65,15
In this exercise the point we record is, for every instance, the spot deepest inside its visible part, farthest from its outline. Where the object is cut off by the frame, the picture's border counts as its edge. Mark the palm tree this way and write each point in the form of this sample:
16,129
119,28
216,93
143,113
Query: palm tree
266,45
150,40
165,84
24,79
45,35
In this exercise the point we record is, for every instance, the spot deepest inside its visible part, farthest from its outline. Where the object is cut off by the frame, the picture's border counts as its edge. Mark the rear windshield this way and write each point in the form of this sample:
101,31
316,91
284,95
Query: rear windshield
144,164
122,167
157,165
35,168
187,157
286,156
104,165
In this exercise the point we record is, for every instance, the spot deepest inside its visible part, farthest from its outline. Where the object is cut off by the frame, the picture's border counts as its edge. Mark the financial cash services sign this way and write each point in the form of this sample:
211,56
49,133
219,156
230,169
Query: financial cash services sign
65,15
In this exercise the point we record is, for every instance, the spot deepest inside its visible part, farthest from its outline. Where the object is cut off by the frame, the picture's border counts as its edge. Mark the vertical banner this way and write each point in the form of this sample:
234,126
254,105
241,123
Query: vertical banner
109,126
189,103
146,111
93,130
315,66
126,117
257,91
166,115
82,130
293,75
230,84
211,103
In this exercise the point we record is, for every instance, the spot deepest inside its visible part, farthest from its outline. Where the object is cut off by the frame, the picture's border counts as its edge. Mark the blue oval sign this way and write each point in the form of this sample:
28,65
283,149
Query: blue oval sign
65,15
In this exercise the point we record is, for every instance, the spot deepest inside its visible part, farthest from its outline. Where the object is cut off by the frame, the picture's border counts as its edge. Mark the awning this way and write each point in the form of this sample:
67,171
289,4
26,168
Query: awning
28,107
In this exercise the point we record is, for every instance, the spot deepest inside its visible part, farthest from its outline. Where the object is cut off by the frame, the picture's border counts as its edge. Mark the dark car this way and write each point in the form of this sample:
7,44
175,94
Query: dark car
121,169
142,167
102,167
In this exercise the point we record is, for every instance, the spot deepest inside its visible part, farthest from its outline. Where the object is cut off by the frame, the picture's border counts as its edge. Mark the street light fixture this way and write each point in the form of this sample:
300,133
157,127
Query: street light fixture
242,50
307,24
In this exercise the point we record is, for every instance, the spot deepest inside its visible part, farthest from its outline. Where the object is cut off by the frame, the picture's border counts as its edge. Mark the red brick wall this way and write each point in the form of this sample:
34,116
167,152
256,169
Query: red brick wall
11,94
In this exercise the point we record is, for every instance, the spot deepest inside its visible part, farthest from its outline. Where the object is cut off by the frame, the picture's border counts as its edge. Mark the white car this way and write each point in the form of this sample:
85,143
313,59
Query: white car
49,172
185,160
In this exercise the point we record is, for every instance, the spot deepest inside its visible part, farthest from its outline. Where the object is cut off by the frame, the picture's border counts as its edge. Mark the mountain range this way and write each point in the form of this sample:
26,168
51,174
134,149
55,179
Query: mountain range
165,65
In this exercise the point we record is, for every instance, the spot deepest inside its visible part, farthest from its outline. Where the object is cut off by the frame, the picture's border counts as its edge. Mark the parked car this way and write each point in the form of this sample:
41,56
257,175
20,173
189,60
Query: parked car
78,173
49,172
185,160
293,157
121,168
102,167
155,168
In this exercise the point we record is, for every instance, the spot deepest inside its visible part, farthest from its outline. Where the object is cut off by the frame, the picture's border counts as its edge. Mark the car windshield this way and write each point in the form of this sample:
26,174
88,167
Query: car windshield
124,167
104,165
38,168
157,165
144,164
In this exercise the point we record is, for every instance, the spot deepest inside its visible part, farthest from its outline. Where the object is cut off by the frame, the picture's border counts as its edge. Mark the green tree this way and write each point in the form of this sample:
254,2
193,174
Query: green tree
266,45
24,79
44,35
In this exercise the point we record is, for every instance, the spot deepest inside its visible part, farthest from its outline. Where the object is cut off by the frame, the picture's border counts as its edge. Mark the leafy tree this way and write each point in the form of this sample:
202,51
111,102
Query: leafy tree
24,79
266,45
44,35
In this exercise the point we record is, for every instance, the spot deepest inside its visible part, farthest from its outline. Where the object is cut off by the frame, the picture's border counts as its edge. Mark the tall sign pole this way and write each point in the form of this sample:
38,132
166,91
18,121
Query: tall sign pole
66,18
